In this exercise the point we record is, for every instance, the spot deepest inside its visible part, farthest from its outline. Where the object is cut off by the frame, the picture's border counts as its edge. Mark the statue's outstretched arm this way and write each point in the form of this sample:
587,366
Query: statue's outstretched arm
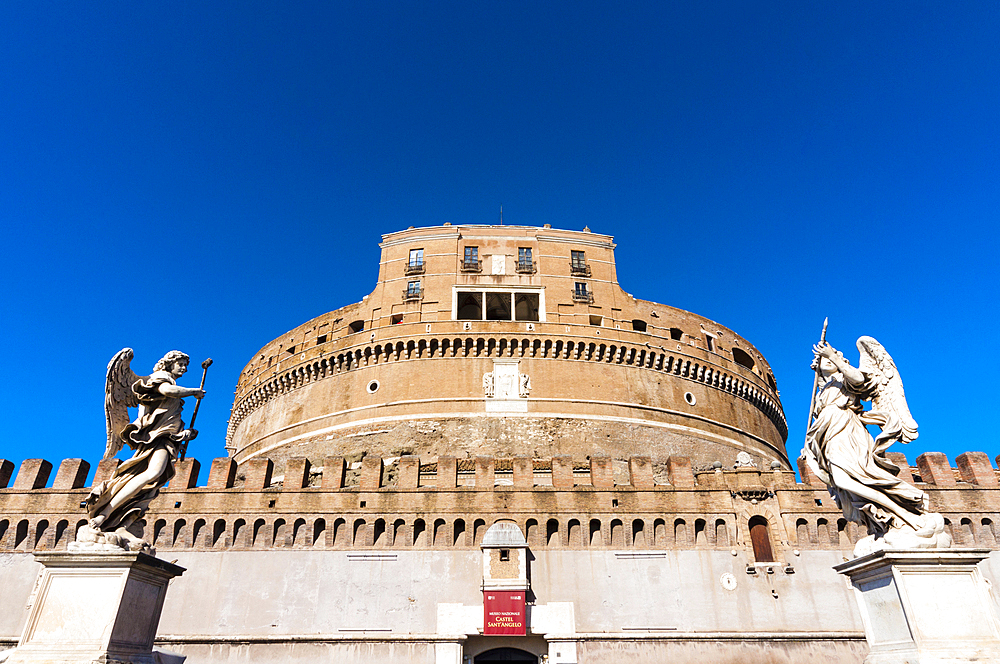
851,374
178,392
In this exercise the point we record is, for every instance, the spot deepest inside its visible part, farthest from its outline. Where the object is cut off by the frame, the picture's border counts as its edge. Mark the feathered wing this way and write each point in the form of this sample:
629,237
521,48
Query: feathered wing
118,398
888,398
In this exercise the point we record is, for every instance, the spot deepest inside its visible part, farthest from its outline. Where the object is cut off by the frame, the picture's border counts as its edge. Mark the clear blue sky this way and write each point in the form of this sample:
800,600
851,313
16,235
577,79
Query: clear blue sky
206,176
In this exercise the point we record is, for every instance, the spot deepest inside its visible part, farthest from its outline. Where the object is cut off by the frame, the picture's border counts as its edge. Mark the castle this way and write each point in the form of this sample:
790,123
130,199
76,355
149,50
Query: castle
498,455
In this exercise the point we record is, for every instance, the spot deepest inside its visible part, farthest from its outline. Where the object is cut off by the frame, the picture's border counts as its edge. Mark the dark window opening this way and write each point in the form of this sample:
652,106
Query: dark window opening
772,382
396,319
743,358
290,350
639,325
498,306
470,306
597,320
504,555
676,333
710,342
526,306
321,339
356,326
761,540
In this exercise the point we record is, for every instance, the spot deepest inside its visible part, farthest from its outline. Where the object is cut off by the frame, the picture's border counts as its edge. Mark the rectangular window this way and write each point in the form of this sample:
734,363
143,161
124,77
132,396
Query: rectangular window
710,342
526,306
580,292
470,306
396,319
498,306
470,260
413,289
580,288
524,263
579,259
416,257
597,321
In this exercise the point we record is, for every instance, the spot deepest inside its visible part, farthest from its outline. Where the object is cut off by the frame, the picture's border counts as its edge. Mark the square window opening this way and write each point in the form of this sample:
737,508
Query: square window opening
498,306
526,306
504,555
356,326
470,306
597,320
396,319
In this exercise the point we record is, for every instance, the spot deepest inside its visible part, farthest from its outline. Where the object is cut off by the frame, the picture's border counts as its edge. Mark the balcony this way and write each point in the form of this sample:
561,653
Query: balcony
414,268
579,269
526,267
583,296
472,265
413,294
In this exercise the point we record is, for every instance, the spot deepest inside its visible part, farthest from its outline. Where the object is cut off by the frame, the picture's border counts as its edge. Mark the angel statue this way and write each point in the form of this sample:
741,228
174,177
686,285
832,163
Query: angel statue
157,435
844,455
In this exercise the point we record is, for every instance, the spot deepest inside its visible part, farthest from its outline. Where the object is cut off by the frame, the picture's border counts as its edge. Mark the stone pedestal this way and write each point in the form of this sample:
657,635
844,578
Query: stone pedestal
923,606
100,607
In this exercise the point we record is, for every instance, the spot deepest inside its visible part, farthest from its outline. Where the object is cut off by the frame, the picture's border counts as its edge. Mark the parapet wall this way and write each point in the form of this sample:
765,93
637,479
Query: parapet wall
558,502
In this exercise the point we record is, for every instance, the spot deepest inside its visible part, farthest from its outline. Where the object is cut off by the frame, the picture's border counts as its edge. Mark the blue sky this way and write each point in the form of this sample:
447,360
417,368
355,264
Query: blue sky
206,176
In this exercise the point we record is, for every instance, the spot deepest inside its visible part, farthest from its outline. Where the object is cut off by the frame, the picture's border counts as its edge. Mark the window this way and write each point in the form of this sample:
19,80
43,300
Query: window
321,339
356,326
639,325
413,290
526,306
676,333
470,260
580,292
504,555
498,305
710,342
578,264
396,319
742,358
416,263
470,306
524,262
597,321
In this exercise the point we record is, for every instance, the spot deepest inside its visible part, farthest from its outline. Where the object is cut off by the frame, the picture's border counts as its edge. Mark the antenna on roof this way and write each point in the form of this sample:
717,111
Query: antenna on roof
501,214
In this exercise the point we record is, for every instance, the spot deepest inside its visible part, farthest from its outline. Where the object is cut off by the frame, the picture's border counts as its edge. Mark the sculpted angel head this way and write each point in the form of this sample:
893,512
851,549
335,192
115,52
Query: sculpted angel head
174,362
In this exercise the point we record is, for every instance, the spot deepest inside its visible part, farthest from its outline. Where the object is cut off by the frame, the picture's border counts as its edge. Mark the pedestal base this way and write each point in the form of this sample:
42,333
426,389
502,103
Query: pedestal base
924,606
102,607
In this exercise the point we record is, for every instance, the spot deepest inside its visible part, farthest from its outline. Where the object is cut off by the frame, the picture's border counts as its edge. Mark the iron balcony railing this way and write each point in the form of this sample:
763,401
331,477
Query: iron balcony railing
472,265
583,296
413,294
526,267
415,268
579,269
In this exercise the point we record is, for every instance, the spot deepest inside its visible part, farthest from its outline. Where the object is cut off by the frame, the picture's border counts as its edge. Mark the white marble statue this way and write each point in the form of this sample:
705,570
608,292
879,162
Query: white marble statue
157,435
844,455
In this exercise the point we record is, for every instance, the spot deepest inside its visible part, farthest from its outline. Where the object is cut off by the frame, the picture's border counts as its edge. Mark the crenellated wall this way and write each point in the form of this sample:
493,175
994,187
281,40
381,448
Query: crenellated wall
559,502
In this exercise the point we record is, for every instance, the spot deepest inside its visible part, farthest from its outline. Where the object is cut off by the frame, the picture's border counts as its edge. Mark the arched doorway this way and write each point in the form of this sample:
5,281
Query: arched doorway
498,655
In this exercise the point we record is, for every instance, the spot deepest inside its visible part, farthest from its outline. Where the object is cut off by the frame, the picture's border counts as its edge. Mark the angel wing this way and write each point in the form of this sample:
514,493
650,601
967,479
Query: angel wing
888,400
118,398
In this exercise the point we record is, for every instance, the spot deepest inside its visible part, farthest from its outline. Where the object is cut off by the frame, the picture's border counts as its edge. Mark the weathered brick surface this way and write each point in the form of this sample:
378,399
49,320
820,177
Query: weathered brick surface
409,472
333,472
935,469
640,470
679,472
524,471
447,472
258,474
105,470
602,473
976,469
185,474
222,474
72,474
371,472
297,473
562,472
33,474
484,473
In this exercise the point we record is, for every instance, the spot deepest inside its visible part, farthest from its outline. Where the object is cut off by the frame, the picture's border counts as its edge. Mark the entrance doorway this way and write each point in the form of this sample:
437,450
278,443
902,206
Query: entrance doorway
498,655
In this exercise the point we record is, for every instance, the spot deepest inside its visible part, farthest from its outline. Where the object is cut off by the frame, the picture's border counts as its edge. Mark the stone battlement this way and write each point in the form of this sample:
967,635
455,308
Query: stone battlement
560,501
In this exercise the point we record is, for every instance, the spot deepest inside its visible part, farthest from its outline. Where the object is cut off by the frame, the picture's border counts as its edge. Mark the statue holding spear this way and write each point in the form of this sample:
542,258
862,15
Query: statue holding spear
839,449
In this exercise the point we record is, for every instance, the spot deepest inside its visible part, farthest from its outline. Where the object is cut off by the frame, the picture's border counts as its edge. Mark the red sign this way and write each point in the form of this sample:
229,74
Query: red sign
504,613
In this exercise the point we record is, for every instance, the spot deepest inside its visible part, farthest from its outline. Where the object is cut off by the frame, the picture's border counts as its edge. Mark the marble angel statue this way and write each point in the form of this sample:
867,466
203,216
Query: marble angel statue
157,435
844,455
